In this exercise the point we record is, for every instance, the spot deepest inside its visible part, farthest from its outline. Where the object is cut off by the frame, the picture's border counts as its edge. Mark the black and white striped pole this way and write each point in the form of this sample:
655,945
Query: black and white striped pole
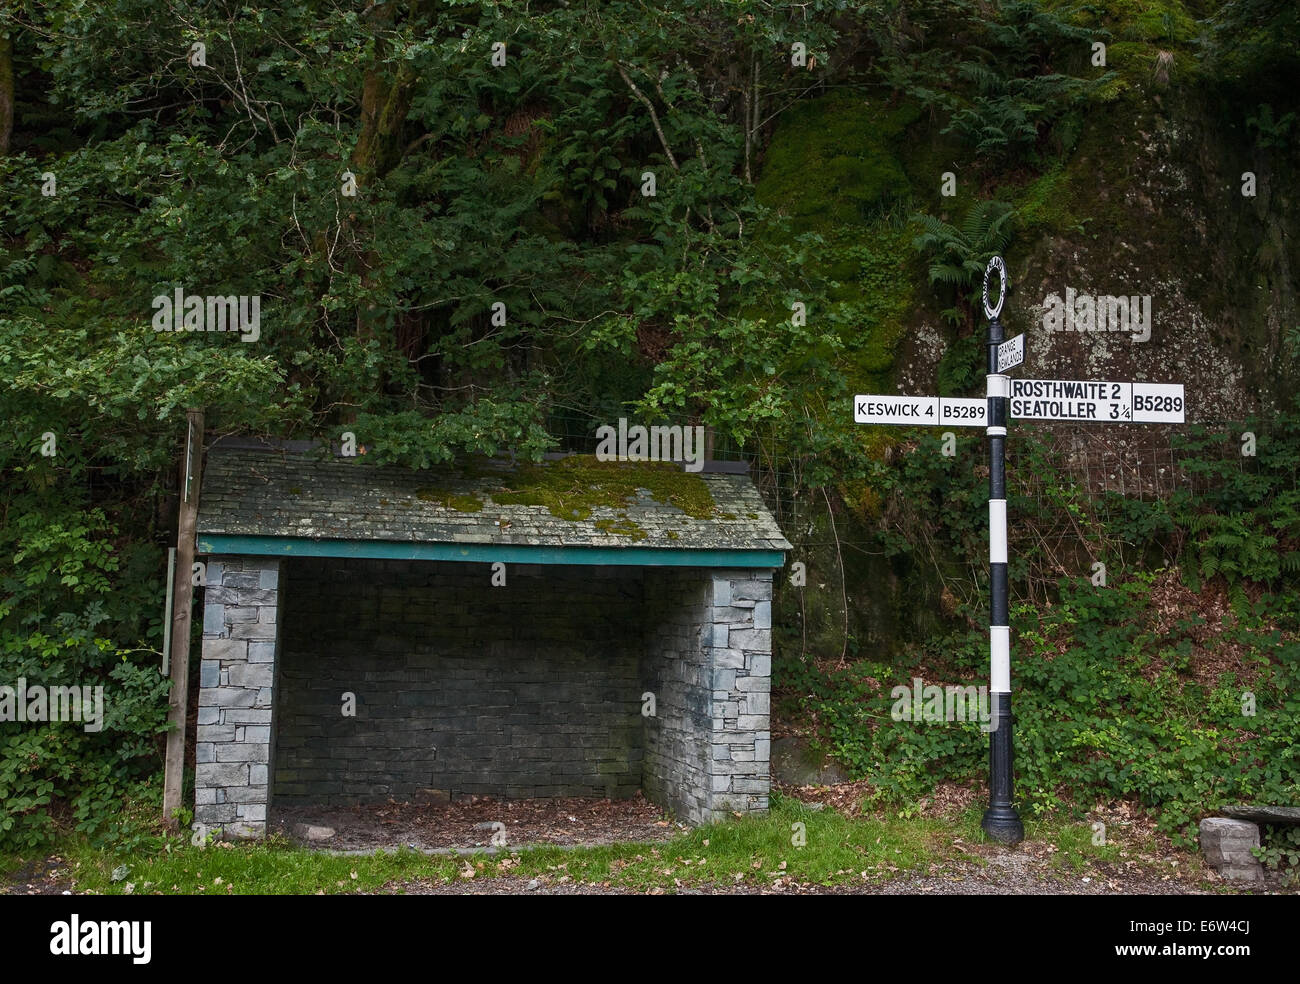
1001,821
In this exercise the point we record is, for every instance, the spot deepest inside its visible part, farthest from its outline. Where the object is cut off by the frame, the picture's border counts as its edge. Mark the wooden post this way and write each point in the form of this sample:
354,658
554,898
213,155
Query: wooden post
183,597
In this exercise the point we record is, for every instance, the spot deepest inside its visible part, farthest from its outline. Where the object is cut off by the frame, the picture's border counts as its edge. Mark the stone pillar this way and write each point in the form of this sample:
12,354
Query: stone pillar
233,748
740,653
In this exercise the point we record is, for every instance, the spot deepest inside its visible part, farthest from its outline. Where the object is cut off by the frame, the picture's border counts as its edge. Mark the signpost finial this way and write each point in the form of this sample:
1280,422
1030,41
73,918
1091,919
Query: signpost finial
995,264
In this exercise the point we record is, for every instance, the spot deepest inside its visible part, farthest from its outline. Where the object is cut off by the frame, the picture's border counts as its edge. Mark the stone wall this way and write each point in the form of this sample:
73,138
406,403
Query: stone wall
461,688
708,662
677,670
741,656
234,735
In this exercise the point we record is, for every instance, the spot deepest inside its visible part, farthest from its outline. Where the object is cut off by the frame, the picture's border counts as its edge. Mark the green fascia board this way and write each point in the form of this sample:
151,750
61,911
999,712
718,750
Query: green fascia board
487,553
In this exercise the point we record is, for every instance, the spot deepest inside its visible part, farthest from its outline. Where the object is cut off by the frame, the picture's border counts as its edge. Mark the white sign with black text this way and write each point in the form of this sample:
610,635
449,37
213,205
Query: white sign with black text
1011,353
920,410
1097,401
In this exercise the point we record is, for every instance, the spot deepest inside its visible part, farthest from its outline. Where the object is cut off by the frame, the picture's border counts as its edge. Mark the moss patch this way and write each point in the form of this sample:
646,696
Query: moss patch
572,487
835,168
451,500
832,158
621,527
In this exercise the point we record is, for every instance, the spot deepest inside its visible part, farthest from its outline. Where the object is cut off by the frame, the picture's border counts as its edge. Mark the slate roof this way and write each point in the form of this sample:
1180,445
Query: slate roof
285,494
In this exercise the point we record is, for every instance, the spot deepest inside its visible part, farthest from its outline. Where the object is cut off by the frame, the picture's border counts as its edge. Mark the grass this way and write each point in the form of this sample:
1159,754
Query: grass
792,842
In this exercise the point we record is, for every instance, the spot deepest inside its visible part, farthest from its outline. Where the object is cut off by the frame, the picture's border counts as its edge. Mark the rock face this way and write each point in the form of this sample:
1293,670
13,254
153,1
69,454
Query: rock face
795,764
1227,845
1263,814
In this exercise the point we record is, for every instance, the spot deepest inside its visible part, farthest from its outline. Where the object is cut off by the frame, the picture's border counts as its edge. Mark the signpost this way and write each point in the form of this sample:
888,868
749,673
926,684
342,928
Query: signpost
1081,401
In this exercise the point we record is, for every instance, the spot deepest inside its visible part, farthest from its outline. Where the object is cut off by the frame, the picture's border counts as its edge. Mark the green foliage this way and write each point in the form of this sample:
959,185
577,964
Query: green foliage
958,255
963,365
1252,40
1246,524
1108,703
57,617
1105,706
991,74
1281,850
1270,132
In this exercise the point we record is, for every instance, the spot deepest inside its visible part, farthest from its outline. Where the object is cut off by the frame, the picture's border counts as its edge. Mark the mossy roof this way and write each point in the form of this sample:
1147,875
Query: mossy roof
574,501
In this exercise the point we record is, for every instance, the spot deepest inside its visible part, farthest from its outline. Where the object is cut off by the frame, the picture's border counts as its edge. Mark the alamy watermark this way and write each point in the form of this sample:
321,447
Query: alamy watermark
933,703
84,705
1084,312
211,312
102,938
639,443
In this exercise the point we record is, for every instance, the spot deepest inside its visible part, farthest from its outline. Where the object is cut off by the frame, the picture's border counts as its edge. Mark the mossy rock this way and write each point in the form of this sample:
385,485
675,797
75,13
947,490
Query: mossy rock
833,157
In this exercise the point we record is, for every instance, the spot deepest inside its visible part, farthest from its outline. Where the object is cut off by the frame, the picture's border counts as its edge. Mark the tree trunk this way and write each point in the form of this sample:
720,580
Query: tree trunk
385,100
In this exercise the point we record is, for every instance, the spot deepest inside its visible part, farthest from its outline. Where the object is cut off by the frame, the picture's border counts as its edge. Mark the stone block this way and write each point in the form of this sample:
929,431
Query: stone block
757,639
225,650
251,811
1227,846
268,577
235,751
252,675
246,794
221,774
731,659
209,673
260,652
214,813
721,592
253,631
752,590
214,619
226,697
246,715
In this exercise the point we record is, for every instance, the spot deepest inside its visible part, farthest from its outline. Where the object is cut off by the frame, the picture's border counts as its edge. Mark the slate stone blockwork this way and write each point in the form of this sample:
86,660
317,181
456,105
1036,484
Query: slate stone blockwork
462,688
709,661
233,738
